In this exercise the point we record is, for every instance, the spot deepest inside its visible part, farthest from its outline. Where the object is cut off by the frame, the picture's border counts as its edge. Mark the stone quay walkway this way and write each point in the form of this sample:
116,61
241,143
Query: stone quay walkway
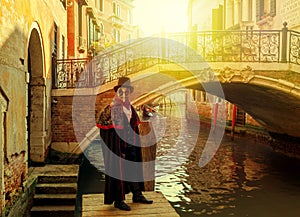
92,206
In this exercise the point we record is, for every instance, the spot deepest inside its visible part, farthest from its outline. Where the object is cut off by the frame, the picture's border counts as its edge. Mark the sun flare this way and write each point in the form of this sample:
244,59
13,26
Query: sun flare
155,16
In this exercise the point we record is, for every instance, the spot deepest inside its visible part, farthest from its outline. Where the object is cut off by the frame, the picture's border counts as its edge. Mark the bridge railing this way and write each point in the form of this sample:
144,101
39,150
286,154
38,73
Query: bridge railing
213,46
294,47
238,46
114,62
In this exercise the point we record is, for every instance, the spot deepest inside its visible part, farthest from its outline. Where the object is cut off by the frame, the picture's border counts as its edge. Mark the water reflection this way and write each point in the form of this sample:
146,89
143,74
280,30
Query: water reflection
244,178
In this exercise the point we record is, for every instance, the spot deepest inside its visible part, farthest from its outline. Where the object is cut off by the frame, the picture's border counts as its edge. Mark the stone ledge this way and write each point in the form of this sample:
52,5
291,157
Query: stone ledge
65,147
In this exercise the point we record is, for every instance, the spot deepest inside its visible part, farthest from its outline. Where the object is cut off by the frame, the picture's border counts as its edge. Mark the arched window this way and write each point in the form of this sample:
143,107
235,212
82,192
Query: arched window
265,8
116,9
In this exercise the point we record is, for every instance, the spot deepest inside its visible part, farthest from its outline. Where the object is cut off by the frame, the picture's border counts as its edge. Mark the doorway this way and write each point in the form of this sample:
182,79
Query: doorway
36,99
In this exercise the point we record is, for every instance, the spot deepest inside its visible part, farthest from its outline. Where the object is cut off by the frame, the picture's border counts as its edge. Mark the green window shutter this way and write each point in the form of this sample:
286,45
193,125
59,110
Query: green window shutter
272,8
259,9
91,31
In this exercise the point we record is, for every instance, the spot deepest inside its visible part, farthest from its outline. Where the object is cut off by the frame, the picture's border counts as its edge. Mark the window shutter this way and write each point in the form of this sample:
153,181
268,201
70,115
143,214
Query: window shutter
272,8
91,31
114,8
259,9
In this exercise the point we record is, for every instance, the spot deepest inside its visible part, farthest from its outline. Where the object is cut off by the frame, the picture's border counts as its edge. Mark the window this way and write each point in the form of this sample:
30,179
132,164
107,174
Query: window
100,5
217,18
129,17
101,29
55,42
249,9
273,8
116,9
80,20
63,47
265,8
96,34
117,35
91,32
259,9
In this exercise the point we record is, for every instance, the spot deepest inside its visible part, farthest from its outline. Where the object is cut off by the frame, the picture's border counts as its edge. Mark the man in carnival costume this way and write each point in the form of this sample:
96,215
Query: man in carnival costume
121,146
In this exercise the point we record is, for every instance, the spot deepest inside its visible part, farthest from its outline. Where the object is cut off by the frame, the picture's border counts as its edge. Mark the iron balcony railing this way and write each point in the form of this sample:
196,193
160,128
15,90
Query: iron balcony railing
212,46
66,72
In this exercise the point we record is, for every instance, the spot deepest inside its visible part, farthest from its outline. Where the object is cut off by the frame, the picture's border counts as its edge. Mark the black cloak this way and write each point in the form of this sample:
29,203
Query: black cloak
120,140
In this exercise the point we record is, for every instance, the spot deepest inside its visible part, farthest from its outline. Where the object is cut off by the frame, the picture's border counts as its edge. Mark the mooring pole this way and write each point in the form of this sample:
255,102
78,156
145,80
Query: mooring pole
216,113
233,122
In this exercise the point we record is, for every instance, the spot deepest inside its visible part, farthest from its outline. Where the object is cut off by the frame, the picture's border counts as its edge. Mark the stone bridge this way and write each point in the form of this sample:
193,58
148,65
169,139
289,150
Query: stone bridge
267,89
270,96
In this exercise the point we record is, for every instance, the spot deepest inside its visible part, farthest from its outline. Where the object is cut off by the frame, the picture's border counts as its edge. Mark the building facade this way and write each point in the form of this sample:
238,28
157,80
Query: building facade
27,42
34,34
97,24
261,14
244,14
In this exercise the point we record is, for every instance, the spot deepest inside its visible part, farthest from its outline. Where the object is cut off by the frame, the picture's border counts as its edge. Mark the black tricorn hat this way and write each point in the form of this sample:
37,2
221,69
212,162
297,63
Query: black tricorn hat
124,82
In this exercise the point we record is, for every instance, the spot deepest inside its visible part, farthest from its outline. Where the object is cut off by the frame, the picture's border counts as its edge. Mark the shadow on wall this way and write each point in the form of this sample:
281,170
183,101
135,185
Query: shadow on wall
14,137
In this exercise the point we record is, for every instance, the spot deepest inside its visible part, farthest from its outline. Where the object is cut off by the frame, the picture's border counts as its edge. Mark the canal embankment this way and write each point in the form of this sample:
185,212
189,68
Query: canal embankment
281,143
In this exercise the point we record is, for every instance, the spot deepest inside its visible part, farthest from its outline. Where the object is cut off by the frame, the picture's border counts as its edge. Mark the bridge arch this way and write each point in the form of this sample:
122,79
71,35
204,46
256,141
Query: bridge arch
274,103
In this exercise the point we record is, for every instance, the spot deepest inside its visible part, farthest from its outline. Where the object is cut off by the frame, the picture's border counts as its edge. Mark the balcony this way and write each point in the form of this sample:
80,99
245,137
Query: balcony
116,21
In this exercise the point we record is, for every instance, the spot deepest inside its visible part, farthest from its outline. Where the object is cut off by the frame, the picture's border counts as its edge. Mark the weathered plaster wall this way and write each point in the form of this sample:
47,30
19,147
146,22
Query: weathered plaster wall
17,20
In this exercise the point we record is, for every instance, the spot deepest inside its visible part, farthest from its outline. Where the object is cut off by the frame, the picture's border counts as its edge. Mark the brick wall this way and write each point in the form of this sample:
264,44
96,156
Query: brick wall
62,128
205,111
79,112
14,175
86,110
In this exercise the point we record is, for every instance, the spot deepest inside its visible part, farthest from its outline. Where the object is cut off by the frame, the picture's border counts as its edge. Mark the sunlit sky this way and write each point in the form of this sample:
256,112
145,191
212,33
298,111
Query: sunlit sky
154,15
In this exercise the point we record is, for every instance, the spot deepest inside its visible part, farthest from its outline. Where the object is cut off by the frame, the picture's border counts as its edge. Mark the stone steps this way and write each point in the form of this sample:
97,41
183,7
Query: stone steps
54,188
57,179
54,199
55,195
53,211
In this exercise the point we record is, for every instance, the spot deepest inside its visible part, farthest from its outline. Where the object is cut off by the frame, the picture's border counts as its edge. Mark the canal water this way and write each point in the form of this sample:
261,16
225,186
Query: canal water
244,178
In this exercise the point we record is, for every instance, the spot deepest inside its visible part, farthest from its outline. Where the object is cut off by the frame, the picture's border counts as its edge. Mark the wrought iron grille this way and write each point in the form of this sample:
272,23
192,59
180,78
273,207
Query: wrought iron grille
69,72
211,46
229,46
294,48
